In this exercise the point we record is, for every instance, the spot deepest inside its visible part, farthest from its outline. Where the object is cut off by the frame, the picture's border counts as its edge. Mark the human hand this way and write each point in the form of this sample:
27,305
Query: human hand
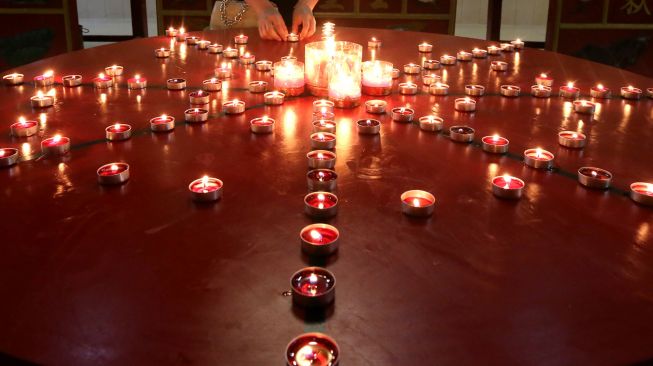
271,24
303,15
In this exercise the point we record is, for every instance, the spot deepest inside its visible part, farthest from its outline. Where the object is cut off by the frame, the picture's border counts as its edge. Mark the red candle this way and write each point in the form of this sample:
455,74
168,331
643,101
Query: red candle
24,128
312,349
495,144
630,92
114,173
321,200
569,91
118,131
506,186
102,81
538,158
319,236
240,39
8,157
417,201
321,159
544,79
137,82
642,192
319,239
321,180
206,189
46,79
572,139
57,145
599,91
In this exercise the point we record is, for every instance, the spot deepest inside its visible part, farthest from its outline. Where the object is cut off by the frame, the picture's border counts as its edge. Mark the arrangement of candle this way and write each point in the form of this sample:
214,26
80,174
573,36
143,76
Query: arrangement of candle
263,65
544,79
230,52
162,52
412,69
505,186
572,139
377,78
462,134
368,126
118,132
417,203
374,43
431,123
206,189
495,144
518,44
479,53
313,287
429,79
312,349
538,158
319,239
196,115
289,77
407,88
596,178
427,65
113,174
569,91
493,50
181,35
56,145
507,47
322,106
321,159
324,125
262,125
321,204
215,48
24,128
137,82
71,81
630,92
402,114
8,157
600,91
171,32
224,71
321,180
203,45
13,79
192,40
234,107
163,123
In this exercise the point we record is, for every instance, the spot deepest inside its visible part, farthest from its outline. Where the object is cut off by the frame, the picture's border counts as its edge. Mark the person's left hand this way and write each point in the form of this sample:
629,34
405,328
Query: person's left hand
303,15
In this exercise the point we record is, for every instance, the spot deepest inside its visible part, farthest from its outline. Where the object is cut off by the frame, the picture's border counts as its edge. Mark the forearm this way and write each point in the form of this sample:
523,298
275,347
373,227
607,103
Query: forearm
310,3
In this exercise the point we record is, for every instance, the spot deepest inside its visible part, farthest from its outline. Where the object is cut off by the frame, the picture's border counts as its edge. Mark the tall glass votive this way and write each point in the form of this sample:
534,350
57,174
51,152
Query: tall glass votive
345,73
377,78
319,56
289,77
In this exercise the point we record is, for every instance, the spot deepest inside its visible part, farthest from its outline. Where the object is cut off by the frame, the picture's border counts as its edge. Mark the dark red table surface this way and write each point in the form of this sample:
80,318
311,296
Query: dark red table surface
139,274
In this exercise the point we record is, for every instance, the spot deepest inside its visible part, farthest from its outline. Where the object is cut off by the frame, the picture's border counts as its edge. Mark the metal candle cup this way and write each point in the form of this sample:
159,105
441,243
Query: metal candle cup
192,40
431,64
206,189
431,123
412,69
102,82
24,128
569,91
118,132
538,158
162,124
323,105
71,81
233,107
114,70
374,43
505,186
544,79
262,125
499,66
56,145
321,180
137,83
368,126
439,89
510,91
176,84
230,52
462,134
257,86
263,65
429,79
203,45
215,48
417,203
198,97
196,115
402,114
540,91
518,44
479,53
474,90
596,178
41,101
324,125
495,144
292,37
321,159
425,47
273,98
407,88
181,35
323,141
584,107
162,53
319,239
448,60
247,59
241,39
312,349
8,157
649,92
465,105
44,80
507,47
628,92
223,72
312,287
13,79
464,56
600,92
493,50
212,85
642,193
321,204
113,174
571,139
375,106
396,73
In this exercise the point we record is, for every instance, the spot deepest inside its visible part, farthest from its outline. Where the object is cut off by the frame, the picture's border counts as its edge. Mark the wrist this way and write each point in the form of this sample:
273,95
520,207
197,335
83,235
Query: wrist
307,3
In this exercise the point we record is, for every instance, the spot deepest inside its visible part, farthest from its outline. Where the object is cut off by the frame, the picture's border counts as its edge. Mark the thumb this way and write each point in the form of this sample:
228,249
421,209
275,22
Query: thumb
295,26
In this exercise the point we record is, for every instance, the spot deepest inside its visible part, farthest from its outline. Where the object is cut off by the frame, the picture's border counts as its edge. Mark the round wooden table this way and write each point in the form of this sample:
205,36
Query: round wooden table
139,274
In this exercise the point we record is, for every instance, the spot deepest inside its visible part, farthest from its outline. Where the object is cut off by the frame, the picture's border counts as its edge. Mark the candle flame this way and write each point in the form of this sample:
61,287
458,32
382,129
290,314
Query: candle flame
264,119
52,93
594,173
320,136
373,39
507,179
114,167
205,181
320,197
199,93
475,49
570,84
113,67
467,100
574,135
315,235
247,55
56,138
22,120
182,30
137,77
234,102
320,156
312,279
196,110
538,153
402,110
48,73
2,152
495,137
630,88
518,40
438,84
39,94
171,29
213,80
543,76
416,202
649,188
320,175
116,126
164,116
101,75
600,86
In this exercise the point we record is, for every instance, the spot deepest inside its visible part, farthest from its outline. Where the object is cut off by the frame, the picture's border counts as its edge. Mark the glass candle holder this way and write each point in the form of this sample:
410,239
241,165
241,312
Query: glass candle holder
319,58
289,77
377,78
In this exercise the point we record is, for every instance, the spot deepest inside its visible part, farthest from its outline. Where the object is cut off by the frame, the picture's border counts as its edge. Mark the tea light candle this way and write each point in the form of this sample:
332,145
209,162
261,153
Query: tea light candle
118,132
8,157
206,189
321,204
57,145
321,159
113,174
540,91
438,88
507,47
402,114
203,45
377,78
321,180
544,79
431,123
495,144
324,125
569,91
224,71
493,50
396,73
596,178
212,85
323,106
13,79
642,193
176,84
447,60
479,53
24,128
412,69
46,79
196,115
465,104
163,123
41,100
319,239
263,65
171,32
649,92
474,90
510,91
181,35
273,98
368,126
289,77
375,106
215,48
599,91
262,125
257,86
241,39
198,97
234,107
102,82
461,134
137,82
584,106
431,64
429,79
499,65
247,59
425,47
323,140
314,349
408,88
417,203
505,186
323,115
313,287
192,40
374,43
114,70
572,139
162,52
71,81
518,44
292,37
230,52
538,158
464,56
630,92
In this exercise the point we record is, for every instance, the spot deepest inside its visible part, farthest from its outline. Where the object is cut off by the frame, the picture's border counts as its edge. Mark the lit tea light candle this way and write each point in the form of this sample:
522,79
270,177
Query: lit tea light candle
569,91
181,35
402,114
518,44
247,59
507,47
407,88
538,158
114,70
425,47
241,39
600,91
13,79
417,203
203,45
438,88
263,65
429,79
465,104
319,239
46,79
321,159
377,78
257,86
584,106
198,97
102,81
24,128
431,123
196,115
374,43
368,126
544,79
234,107
474,90
375,106
323,106
113,174
412,69
176,84
323,140
312,349
192,40
56,145
313,287
630,92
493,50
324,125
8,157
479,53
642,193
137,82
649,92
396,73
292,37
71,81
463,134
505,186
118,132
162,52
596,178
572,139
171,32
224,71
273,98
41,100
262,125
215,48
321,180
464,56
230,52
289,77
163,123
511,91
495,144
499,66
540,91
321,205
206,189
431,64
447,60
212,85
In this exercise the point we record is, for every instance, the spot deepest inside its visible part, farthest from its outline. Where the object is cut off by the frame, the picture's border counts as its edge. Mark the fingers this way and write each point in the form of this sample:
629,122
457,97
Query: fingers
266,31
280,27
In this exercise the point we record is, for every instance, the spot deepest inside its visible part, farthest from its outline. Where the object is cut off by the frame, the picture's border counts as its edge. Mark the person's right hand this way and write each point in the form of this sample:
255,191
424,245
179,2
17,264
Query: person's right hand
271,24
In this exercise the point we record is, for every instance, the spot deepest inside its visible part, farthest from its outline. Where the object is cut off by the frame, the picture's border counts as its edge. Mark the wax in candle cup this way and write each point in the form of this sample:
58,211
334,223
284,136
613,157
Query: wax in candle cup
312,287
493,50
495,144
196,115
312,349
262,125
24,128
642,193
499,66
439,89
510,91
215,48
425,47
544,79
507,187
162,53
13,79
429,79
8,157
538,158
540,91
412,69
375,106
113,174
368,126
629,92
212,85
377,78
463,134
569,91
289,77
171,32
241,39
41,100
273,98
321,180
247,59
479,53
572,139
407,88
323,105
103,82
321,205
584,107
114,70
230,52
192,40
233,107
263,65
321,159
417,203
44,80
448,60
319,239
162,123
466,104
475,90
224,71
596,178
324,125
649,92
374,43
206,189
402,114
292,37
431,123
57,145
203,45
396,73
176,84
137,82
600,92
507,47
118,132
323,141
198,97
464,56
71,81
